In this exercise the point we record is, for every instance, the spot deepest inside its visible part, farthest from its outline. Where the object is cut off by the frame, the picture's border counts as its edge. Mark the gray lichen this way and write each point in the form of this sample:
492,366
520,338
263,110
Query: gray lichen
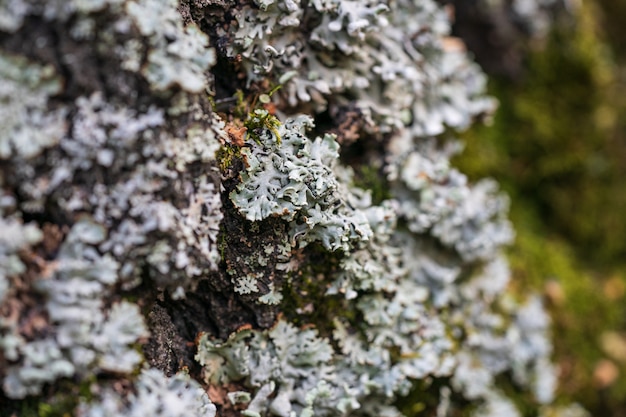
287,370
178,54
382,56
28,125
132,184
288,175
100,167
85,338
156,395
436,198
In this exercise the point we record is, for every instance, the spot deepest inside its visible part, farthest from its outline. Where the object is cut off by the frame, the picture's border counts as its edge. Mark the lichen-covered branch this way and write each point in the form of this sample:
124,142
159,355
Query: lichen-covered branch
185,228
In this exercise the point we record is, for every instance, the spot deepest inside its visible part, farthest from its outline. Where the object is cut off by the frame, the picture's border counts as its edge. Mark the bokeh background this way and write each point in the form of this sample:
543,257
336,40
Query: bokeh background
557,145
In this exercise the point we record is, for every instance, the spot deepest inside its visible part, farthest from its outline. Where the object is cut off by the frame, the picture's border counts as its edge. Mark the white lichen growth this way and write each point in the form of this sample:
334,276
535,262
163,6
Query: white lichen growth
178,55
280,367
84,338
27,126
15,237
290,176
394,61
156,395
177,235
376,265
437,199
411,296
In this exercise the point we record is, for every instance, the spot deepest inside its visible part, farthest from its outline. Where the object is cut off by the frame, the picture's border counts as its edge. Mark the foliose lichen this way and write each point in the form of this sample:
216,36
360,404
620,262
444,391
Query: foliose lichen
29,126
156,395
114,204
290,176
92,169
85,338
394,61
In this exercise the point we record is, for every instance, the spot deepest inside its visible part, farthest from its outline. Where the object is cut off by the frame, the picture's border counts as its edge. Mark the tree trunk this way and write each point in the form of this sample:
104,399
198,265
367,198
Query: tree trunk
249,208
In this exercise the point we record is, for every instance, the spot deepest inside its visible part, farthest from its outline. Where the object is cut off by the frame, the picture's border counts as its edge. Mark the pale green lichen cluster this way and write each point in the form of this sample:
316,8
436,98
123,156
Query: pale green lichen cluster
292,178
285,365
124,190
28,125
176,396
420,319
390,60
436,198
102,165
16,237
84,340
177,54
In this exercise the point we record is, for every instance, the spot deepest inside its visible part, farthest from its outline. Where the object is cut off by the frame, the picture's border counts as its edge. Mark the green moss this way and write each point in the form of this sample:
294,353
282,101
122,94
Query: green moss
260,120
62,404
305,301
226,156
580,308
426,397
369,177
241,109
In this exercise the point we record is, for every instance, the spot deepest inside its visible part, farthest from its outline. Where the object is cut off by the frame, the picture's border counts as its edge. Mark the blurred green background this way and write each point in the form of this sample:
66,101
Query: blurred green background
557,145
